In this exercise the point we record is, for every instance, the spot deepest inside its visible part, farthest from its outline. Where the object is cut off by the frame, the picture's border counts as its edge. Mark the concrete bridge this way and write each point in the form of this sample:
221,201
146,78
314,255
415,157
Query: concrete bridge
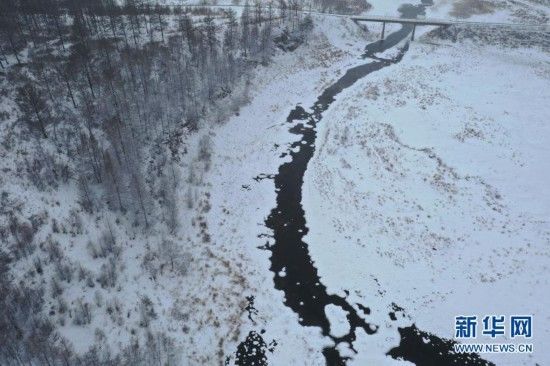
388,19
446,23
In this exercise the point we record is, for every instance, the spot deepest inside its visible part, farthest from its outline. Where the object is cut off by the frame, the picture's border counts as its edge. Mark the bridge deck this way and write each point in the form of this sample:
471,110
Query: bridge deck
439,22
380,19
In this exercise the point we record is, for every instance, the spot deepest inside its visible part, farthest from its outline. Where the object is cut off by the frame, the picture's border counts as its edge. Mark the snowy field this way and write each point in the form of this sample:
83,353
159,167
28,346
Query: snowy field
522,11
427,189
249,146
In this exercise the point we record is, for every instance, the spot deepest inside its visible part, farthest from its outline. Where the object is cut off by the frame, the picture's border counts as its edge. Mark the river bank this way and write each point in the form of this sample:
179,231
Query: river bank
250,149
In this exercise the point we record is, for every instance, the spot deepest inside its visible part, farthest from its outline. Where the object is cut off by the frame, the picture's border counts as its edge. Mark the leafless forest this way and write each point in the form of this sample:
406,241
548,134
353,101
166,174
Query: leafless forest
103,98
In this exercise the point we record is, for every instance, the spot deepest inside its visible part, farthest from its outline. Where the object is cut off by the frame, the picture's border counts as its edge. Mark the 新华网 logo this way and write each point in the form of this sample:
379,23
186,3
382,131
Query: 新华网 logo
491,327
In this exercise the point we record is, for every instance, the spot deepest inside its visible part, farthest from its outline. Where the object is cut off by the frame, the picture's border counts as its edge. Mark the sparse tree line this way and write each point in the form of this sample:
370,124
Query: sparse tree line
114,86
107,96
28,337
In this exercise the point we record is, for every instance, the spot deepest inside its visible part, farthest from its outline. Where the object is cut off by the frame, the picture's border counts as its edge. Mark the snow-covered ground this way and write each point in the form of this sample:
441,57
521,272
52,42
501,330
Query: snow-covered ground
526,11
427,189
248,146
201,304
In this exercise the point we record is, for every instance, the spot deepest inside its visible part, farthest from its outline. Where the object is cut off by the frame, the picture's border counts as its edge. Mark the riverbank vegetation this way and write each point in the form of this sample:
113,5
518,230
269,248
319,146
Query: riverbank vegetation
100,104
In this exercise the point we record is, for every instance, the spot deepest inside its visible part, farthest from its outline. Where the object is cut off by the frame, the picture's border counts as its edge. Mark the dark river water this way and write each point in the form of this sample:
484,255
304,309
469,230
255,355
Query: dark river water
293,269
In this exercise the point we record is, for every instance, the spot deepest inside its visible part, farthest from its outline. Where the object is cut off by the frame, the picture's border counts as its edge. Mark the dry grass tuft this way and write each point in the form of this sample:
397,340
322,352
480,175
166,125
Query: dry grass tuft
467,8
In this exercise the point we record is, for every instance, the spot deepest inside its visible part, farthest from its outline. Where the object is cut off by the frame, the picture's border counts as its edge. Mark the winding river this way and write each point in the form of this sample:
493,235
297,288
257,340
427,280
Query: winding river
291,263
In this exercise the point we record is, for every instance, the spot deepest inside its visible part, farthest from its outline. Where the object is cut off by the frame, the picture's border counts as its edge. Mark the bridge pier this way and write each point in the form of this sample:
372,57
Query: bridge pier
383,30
414,29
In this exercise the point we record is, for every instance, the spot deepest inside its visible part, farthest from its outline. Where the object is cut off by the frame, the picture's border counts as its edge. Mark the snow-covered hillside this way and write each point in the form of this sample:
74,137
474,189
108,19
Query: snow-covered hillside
425,196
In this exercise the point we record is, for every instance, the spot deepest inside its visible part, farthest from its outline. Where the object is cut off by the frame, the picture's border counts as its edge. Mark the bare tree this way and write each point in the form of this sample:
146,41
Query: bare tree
33,106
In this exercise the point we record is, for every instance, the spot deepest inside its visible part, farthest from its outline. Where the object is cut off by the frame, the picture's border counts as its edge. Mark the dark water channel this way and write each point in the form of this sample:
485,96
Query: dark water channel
291,263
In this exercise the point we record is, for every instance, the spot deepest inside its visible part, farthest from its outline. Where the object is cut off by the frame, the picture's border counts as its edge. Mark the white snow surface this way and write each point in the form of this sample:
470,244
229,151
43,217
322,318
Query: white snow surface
249,145
428,189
